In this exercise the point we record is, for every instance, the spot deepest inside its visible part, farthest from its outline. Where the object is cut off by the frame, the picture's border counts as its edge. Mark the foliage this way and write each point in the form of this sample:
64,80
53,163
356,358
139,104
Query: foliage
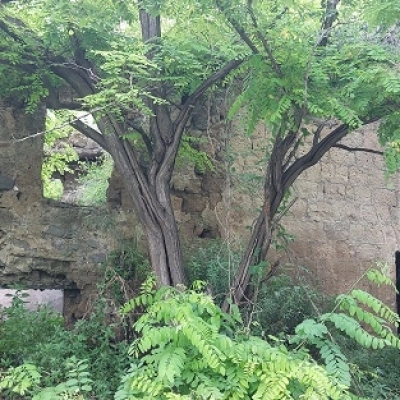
19,380
57,155
78,383
189,153
213,264
21,330
297,302
375,373
126,269
95,181
186,348
190,349
89,350
310,72
382,13
124,272
363,318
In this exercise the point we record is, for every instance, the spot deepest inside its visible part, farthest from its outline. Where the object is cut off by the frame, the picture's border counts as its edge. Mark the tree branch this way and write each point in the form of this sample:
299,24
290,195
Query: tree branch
317,152
354,149
241,32
82,80
184,114
313,155
217,76
331,14
6,29
90,133
263,40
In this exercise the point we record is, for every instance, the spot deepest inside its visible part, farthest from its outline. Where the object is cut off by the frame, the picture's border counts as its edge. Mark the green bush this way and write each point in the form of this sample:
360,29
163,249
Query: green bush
190,349
95,182
91,339
282,305
214,264
185,347
376,374
40,339
125,270
21,331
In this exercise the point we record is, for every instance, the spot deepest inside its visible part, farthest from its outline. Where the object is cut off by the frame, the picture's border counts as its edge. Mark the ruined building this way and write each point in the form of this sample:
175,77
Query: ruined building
345,216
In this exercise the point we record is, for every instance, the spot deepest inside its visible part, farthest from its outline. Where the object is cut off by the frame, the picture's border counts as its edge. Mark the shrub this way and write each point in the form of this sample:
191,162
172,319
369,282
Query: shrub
40,339
95,182
22,330
214,264
190,349
281,305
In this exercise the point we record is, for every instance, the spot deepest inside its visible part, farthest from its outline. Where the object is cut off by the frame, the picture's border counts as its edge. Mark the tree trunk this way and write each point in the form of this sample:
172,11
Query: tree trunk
256,251
148,187
151,197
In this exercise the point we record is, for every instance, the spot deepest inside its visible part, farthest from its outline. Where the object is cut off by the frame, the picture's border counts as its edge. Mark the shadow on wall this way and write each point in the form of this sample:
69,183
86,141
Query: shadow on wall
34,298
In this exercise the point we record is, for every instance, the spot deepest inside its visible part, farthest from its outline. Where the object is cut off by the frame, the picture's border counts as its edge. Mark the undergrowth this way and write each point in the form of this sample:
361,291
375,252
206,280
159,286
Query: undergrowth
184,347
36,343
94,182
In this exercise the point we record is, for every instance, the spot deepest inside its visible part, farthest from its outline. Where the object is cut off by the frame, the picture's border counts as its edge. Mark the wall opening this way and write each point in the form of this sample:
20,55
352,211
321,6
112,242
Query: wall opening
397,258
75,169
34,298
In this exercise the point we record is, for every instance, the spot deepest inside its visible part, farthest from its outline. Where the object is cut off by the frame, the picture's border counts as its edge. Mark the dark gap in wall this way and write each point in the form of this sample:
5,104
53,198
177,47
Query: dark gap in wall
397,257
72,299
207,234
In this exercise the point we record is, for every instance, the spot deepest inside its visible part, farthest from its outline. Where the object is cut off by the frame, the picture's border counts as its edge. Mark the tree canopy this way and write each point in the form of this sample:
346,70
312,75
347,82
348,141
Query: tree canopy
312,71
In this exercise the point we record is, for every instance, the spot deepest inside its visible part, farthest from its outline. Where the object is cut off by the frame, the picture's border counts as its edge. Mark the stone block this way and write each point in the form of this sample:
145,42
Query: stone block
194,203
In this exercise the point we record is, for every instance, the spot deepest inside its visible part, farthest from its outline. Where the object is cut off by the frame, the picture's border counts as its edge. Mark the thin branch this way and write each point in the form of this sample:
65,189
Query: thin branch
242,33
6,29
354,149
90,133
63,125
317,152
217,76
331,14
263,40
313,155
184,114
293,152
317,134
27,68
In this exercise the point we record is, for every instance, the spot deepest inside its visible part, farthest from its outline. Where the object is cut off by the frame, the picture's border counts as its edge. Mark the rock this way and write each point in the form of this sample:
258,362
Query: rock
6,183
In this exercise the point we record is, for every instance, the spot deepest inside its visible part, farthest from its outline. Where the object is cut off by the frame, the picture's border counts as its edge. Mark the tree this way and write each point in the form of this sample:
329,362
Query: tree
312,71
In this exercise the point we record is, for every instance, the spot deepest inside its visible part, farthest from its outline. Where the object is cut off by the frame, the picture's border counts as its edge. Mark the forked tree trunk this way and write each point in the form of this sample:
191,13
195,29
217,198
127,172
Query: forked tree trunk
152,201
148,187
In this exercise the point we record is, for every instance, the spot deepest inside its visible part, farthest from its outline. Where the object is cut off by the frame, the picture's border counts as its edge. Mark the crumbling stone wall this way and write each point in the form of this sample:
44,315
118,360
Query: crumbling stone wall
345,216
44,244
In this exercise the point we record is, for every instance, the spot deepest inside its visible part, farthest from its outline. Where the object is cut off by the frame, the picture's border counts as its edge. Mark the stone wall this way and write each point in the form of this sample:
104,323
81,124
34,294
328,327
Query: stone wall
345,216
44,244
